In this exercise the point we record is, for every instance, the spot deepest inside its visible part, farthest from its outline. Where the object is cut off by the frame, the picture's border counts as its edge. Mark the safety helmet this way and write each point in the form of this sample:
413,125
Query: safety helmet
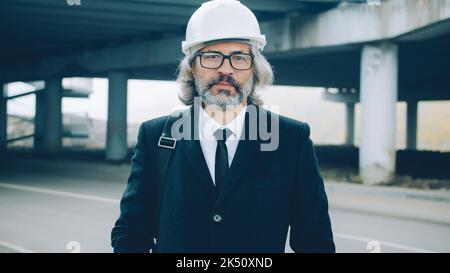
222,20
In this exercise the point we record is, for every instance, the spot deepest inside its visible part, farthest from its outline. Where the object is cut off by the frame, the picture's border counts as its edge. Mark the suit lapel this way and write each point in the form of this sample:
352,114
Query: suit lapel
193,151
244,155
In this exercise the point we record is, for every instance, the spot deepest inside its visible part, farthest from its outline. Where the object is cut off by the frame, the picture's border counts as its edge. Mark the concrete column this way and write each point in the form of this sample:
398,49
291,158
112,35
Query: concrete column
116,135
378,97
52,137
350,124
39,121
3,116
411,125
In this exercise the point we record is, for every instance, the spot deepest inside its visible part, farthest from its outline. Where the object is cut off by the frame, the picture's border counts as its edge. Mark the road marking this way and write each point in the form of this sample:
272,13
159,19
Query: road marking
115,201
15,247
60,193
390,244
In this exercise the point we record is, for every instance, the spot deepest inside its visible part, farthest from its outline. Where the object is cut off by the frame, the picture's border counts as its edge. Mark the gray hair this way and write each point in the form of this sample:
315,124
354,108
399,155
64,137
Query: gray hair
262,76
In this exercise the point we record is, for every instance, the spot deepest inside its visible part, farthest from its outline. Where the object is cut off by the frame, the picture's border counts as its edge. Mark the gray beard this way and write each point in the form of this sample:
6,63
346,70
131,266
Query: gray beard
219,99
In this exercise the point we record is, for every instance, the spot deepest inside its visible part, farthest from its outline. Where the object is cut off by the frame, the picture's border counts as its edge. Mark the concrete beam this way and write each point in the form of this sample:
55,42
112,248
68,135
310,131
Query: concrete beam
359,23
347,97
89,26
379,71
405,94
170,7
338,29
255,5
66,93
76,93
116,135
99,62
133,7
68,14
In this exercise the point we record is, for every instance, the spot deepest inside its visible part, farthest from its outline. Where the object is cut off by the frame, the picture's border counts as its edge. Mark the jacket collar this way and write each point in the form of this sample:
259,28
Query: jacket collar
244,155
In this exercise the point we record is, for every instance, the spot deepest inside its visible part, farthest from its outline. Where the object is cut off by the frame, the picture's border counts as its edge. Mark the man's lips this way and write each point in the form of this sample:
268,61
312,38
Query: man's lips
224,83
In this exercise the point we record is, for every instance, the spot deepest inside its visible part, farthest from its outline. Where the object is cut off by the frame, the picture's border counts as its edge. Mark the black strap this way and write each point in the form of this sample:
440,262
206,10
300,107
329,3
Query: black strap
166,144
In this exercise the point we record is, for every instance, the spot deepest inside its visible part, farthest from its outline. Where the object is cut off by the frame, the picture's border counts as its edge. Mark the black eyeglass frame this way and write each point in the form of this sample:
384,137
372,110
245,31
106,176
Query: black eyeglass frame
224,57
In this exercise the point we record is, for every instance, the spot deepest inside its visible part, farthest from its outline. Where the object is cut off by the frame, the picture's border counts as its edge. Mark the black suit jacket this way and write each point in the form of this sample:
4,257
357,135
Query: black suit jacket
265,192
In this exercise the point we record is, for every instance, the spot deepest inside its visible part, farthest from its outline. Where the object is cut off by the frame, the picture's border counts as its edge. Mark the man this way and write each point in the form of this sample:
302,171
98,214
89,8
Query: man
219,189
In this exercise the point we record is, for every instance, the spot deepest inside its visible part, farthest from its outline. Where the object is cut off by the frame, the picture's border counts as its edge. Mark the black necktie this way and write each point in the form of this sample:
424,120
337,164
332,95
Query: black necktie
221,158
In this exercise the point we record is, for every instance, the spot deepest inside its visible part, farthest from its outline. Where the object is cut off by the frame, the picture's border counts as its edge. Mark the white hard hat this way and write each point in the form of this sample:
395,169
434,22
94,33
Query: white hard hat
222,20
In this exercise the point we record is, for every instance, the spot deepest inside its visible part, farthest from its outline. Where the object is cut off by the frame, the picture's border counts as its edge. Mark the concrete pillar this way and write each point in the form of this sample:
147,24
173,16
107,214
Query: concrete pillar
378,97
411,125
116,135
350,124
39,121
3,116
52,136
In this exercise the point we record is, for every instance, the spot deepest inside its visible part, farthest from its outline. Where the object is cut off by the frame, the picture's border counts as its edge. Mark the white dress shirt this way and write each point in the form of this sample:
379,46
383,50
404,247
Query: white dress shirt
209,143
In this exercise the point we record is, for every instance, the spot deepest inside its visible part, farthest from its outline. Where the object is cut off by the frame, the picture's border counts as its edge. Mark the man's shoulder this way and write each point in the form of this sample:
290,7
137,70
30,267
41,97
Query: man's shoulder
151,129
157,122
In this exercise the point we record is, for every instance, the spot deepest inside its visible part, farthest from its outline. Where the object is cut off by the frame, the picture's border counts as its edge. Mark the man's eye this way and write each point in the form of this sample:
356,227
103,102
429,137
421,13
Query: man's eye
239,58
211,57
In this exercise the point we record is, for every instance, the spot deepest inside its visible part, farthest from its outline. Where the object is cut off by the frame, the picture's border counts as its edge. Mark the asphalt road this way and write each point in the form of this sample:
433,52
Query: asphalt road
69,206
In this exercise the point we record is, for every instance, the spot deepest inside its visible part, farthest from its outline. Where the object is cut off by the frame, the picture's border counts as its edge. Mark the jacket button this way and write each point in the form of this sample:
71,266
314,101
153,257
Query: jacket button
217,218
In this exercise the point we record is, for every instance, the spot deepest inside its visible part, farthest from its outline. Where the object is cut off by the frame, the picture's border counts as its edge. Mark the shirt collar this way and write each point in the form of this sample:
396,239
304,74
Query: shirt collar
210,125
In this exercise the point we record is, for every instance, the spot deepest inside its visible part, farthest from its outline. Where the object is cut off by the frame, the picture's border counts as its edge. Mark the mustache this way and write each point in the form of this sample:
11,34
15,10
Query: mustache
227,79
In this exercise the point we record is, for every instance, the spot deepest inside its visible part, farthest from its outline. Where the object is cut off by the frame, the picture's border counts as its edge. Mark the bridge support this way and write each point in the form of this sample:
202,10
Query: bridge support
379,70
116,138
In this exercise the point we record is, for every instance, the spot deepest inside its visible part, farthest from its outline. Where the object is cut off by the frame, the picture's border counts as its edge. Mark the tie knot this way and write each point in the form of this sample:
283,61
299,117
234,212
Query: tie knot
222,134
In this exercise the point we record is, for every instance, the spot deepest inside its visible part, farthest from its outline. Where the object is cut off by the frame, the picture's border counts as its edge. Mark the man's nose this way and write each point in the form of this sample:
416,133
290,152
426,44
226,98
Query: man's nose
226,68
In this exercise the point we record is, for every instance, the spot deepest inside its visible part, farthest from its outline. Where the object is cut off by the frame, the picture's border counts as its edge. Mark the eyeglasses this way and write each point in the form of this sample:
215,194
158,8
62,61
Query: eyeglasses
215,59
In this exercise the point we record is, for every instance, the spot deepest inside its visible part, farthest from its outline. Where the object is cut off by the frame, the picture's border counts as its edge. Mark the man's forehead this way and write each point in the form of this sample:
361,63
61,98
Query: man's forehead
228,47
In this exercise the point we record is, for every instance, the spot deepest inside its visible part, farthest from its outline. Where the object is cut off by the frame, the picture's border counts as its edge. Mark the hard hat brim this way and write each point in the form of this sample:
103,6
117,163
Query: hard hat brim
192,47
